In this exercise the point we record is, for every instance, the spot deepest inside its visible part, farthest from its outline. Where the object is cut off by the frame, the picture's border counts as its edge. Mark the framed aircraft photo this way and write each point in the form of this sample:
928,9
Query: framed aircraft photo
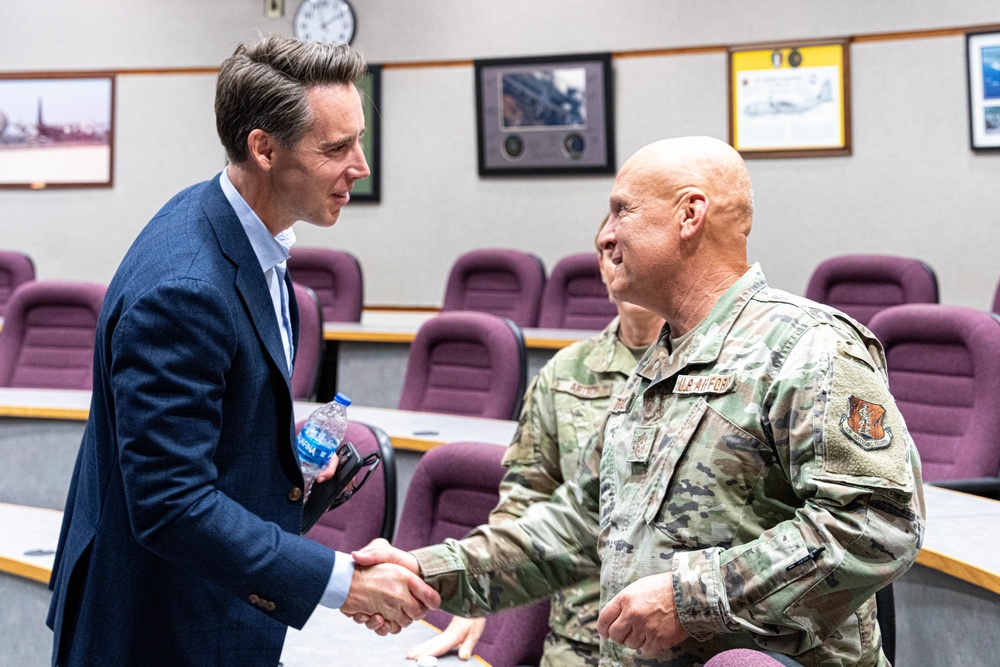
57,130
545,115
982,52
790,100
370,87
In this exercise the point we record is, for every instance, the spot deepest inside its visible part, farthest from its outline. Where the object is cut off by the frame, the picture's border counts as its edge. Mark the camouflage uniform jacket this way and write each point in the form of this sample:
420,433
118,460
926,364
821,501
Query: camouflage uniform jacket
763,462
564,407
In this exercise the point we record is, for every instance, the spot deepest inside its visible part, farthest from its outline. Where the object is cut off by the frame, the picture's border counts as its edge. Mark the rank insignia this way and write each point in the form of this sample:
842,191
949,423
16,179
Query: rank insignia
642,444
864,425
621,403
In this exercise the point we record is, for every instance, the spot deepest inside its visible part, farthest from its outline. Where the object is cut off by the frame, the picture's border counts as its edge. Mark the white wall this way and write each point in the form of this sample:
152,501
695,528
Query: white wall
912,186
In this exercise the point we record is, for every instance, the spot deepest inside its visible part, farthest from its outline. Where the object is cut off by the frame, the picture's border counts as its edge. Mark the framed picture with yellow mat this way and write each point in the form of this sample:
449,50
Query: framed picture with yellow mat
790,100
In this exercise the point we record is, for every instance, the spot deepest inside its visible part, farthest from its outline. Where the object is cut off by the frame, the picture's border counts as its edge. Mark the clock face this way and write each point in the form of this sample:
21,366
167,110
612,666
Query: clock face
327,21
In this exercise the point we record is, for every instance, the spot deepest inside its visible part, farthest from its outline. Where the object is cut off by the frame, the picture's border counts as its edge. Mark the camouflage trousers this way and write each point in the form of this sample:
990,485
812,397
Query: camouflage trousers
564,652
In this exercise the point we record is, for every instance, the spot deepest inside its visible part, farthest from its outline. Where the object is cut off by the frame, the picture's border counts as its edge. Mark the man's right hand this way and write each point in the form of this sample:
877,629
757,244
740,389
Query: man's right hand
389,592
461,632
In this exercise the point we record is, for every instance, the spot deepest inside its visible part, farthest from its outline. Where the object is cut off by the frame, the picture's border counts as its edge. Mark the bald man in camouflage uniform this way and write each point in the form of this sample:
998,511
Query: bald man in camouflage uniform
563,410
755,484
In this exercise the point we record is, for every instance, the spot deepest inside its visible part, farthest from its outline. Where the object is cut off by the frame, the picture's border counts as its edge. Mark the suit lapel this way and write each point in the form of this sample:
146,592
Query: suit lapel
250,281
293,311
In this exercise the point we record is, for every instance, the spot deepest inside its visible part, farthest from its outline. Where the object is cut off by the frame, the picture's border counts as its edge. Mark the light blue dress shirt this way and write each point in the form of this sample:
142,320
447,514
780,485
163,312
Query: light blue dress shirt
272,253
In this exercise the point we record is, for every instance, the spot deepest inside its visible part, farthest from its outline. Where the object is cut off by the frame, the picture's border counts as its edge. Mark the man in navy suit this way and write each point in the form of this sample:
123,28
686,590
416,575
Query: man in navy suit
180,543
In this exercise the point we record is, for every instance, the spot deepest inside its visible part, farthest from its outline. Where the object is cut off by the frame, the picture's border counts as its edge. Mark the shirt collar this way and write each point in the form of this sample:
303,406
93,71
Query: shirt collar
704,345
609,354
271,251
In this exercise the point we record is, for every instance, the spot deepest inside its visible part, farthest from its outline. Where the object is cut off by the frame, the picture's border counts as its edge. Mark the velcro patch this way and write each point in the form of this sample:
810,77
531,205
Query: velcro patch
704,384
863,432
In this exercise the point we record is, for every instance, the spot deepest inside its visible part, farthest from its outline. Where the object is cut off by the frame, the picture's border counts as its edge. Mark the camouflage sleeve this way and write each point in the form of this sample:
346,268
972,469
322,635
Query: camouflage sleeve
848,456
533,458
496,567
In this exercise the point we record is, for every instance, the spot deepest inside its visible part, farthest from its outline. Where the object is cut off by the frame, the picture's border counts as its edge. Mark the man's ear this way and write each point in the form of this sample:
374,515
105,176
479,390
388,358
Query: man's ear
694,210
261,147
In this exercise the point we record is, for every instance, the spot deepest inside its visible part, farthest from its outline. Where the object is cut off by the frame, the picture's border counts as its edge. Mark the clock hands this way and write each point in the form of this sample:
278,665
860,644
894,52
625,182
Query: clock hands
341,10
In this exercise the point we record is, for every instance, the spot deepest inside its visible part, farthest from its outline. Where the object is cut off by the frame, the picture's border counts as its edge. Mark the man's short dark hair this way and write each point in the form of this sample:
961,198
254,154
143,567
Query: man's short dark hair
263,85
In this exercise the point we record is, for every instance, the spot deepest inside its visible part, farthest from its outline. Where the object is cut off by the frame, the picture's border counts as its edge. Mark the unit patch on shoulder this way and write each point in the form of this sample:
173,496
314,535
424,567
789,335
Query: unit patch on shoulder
864,425
862,430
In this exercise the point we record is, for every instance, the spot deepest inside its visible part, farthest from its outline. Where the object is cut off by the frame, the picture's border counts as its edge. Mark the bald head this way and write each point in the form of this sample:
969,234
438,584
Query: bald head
681,210
703,163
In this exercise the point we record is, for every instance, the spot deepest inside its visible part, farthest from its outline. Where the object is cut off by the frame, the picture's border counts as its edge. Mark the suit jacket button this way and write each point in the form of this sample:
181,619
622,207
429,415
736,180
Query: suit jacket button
295,494
254,599
270,606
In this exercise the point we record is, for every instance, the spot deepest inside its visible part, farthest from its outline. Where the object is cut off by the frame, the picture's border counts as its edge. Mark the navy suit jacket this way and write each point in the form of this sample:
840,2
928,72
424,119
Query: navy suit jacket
180,543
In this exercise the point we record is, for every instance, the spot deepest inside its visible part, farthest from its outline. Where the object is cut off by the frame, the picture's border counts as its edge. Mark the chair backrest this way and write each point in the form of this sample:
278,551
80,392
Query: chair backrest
744,657
15,268
48,335
944,372
335,276
453,490
575,297
371,512
862,285
996,299
466,363
501,281
309,350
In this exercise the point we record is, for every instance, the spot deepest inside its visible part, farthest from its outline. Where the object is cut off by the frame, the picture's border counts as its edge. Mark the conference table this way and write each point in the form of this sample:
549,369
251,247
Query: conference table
367,360
947,606
28,538
41,429
330,638
40,432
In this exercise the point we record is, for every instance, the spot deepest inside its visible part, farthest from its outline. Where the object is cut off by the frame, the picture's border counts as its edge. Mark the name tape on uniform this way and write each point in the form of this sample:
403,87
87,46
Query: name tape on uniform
703,384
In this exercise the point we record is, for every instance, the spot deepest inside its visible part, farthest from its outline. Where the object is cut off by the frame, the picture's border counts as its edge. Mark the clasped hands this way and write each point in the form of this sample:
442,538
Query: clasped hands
642,616
387,593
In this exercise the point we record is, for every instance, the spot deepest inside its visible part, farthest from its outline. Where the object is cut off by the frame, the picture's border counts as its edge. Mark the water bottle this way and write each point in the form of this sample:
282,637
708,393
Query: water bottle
320,437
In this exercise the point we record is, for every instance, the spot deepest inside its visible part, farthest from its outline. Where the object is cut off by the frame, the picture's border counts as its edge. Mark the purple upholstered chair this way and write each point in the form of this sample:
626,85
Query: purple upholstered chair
309,351
15,268
48,335
575,297
371,512
335,277
744,657
453,490
944,372
862,285
500,281
466,363
996,300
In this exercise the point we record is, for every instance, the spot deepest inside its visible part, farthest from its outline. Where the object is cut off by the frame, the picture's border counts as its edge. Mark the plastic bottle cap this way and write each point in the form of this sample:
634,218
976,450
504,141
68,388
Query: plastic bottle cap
427,661
342,399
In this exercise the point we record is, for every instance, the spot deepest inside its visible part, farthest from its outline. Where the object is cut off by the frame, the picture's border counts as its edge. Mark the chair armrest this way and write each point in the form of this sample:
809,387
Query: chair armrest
988,487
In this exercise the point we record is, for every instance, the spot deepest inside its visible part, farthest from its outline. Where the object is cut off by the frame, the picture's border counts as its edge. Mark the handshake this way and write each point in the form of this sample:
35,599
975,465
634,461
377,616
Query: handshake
387,593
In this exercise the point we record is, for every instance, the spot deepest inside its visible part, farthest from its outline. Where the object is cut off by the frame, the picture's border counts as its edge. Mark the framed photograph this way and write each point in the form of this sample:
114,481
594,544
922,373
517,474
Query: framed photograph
57,130
982,52
371,101
545,115
790,100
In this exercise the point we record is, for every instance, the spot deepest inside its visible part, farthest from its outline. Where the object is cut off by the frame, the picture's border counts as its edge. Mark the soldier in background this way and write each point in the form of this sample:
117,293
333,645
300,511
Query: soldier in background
563,410
736,497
